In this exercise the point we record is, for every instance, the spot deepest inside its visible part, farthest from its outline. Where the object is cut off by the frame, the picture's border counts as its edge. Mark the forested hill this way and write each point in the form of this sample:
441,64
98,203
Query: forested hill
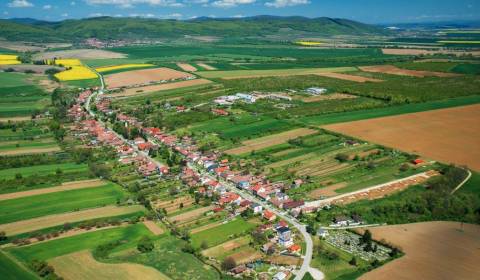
135,28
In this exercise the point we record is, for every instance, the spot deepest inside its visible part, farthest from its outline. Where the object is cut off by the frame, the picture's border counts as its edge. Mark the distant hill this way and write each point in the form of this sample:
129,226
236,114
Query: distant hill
136,28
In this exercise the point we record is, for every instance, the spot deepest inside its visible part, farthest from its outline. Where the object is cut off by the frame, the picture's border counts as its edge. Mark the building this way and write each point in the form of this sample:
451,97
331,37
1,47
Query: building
247,97
282,275
284,236
323,233
316,90
269,216
257,208
294,249
341,220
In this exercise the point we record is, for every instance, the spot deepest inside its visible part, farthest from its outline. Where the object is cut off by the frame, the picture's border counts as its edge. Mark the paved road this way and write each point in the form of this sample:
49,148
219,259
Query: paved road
463,182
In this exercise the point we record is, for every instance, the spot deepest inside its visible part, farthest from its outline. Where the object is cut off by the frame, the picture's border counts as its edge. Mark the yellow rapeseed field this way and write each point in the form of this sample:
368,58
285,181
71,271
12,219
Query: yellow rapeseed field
76,70
122,66
308,43
8,59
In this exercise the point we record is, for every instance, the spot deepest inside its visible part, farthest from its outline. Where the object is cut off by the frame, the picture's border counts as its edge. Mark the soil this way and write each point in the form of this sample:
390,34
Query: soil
148,89
142,77
187,67
358,79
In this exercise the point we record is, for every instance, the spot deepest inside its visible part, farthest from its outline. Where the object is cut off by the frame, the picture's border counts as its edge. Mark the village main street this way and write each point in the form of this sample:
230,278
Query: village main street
245,195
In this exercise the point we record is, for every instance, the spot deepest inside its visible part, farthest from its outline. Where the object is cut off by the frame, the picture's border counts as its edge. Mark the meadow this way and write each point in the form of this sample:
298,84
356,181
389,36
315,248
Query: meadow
47,169
11,270
53,203
221,233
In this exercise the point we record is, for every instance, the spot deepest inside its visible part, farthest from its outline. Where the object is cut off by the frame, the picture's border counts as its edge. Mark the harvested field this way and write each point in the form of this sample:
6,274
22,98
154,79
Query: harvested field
72,217
188,216
246,256
333,96
284,260
225,247
393,70
153,227
447,135
154,88
205,227
326,191
433,250
143,77
82,266
26,151
353,78
186,67
79,54
271,140
16,119
206,66
63,187
428,52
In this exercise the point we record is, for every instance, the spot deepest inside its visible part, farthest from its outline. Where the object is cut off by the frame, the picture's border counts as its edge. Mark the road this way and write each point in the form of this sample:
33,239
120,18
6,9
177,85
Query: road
307,258
463,182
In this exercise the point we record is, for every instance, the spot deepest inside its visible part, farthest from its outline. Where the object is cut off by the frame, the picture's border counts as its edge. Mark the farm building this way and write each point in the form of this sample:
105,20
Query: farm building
316,90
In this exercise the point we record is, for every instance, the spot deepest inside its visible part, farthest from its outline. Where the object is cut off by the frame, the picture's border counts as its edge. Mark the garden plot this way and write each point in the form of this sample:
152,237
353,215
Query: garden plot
246,255
433,250
271,140
393,70
190,215
225,248
284,260
143,77
175,204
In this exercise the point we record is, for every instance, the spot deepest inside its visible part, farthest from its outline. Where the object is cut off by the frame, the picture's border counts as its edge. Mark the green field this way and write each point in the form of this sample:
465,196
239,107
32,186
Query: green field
222,233
168,258
42,170
20,145
10,270
60,202
129,236
276,72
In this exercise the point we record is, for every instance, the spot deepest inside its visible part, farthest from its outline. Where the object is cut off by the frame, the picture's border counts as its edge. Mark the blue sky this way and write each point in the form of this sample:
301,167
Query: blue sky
370,11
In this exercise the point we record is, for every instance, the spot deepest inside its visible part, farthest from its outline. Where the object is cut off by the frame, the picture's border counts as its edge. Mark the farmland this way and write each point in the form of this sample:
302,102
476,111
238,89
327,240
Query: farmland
142,77
221,233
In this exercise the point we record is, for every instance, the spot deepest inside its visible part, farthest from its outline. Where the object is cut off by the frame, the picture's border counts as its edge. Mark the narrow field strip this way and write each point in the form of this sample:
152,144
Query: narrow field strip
352,78
271,140
153,227
63,187
27,150
161,87
190,214
71,217
393,70
239,74
187,67
206,66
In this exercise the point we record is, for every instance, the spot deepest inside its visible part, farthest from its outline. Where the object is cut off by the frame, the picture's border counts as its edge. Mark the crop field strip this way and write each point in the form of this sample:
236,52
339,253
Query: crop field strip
139,91
237,74
42,169
142,77
25,208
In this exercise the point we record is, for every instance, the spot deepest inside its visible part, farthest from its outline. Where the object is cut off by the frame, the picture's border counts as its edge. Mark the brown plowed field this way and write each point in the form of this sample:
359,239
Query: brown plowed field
153,88
26,151
393,70
142,77
246,256
427,52
284,260
433,250
187,67
327,191
271,140
153,227
82,266
63,187
448,135
353,78
71,217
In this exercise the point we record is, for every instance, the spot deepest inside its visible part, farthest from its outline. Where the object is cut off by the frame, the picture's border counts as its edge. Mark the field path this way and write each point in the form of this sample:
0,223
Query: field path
75,185
71,217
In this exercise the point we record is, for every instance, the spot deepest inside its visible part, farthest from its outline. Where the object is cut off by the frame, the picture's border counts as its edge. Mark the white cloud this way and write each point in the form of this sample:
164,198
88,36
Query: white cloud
20,4
73,3
47,7
65,15
230,3
142,15
286,3
131,3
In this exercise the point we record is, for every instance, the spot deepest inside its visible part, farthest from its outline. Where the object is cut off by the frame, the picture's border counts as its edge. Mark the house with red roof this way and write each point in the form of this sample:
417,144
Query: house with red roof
269,216
229,198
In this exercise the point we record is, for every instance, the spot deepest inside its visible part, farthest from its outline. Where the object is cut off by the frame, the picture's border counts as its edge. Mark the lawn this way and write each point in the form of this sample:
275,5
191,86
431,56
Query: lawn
13,271
169,259
129,235
222,233
42,170
53,203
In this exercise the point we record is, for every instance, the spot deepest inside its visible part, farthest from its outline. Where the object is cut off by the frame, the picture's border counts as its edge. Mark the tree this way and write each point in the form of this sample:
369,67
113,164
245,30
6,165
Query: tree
353,261
366,237
204,245
145,245
3,236
228,264
341,157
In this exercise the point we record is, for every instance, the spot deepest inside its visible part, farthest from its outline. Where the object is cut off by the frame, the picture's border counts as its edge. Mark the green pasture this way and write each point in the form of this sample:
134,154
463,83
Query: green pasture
222,233
26,144
11,270
129,236
60,202
274,72
42,170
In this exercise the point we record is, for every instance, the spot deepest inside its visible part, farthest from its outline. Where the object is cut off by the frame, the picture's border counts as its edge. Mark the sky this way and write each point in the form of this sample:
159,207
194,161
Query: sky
368,11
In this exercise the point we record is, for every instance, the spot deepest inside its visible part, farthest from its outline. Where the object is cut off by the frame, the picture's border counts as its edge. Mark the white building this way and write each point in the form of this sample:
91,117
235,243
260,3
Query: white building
247,97
316,90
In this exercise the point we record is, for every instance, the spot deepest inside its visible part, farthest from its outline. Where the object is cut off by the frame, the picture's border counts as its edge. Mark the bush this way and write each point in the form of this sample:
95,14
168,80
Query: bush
145,245
228,264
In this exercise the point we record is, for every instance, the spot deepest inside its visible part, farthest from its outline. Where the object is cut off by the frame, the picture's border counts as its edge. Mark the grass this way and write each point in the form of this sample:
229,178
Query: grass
222,233
46,143
42,170
129,236
83,83
10,270
169,259
389,111
276,72
53,203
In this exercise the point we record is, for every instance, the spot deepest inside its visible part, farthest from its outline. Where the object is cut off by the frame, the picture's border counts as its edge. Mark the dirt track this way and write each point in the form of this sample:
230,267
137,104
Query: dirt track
433,250
63,187
271,140
142,77
71,217
447,135
393,70
82,266
154,88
